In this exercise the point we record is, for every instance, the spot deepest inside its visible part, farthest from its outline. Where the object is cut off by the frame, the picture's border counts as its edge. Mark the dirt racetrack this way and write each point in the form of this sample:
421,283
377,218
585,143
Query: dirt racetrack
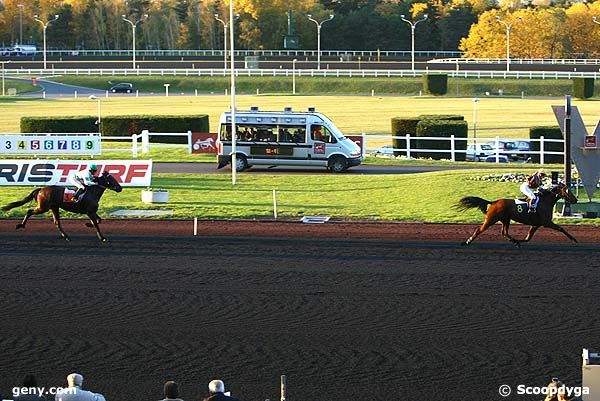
386,316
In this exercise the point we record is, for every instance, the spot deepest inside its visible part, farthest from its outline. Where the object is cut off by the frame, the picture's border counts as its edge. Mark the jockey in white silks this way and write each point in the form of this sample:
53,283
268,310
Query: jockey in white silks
82,180
531,183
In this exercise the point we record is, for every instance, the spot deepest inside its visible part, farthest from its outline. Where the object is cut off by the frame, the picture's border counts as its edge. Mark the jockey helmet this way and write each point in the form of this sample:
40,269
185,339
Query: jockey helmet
93,168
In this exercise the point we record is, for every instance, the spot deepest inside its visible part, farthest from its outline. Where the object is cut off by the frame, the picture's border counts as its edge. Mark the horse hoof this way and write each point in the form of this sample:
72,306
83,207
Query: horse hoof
67,239
19,225
464,243
104,239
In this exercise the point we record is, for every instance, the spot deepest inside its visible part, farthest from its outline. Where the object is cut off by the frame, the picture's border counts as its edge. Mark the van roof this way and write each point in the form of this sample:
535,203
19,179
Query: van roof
286,111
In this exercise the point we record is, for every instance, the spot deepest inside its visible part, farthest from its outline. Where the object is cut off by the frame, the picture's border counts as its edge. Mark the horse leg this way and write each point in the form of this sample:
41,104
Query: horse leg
486,224
95,219
30,212
562,230
506,235
530,233
56,216
91,224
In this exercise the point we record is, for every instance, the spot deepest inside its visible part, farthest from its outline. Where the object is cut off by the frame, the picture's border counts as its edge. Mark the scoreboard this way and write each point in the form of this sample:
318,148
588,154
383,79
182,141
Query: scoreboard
50,144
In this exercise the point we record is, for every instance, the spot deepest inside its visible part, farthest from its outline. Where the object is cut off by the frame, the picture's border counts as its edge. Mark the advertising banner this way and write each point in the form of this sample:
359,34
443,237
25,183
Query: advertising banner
129,173
50,144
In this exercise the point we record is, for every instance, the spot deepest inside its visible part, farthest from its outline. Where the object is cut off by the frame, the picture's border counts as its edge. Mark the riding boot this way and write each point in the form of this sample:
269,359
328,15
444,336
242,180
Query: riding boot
78,193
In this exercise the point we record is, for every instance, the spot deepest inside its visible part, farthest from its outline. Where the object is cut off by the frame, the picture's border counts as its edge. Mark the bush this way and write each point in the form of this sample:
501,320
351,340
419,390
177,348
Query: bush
442,129
435,84
441,117
583,88
552,132
129,125
401,127
57,125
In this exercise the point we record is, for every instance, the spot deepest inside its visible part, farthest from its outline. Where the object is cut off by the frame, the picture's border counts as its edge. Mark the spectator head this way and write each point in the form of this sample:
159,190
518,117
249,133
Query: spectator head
29,381
171,389
216,386
74,380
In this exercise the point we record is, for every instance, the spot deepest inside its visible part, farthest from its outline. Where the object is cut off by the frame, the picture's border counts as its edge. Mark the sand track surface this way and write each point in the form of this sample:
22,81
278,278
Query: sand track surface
410,319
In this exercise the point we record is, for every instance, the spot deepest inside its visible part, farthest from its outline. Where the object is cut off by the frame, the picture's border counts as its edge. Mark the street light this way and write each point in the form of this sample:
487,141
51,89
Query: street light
508,27
45,26
412,36
21,7
133,26
93,97
475,101
225,26
3,62
319,24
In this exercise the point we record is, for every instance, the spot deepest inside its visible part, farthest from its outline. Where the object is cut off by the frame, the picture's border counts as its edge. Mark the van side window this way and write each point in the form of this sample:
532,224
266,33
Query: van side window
292,134
225,134
320,133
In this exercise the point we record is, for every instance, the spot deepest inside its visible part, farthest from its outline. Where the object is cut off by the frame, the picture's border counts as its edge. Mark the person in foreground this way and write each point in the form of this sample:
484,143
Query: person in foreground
74,392
171,391
216,392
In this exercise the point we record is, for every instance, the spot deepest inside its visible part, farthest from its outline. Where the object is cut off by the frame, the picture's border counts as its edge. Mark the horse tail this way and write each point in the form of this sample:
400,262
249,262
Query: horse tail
23,201
469,202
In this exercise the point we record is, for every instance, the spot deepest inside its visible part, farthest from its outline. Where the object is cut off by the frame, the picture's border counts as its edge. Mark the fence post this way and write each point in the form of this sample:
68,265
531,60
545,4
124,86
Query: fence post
364,145
452,148
134,148
542,149
408,146
145,141
497,149
189,136
283,388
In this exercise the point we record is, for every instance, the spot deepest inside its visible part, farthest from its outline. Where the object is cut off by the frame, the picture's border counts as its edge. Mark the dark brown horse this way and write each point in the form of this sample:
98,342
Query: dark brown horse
52,199
505,210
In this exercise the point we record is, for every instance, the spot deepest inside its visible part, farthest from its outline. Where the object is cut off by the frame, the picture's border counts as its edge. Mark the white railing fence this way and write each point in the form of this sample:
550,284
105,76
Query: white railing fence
452,148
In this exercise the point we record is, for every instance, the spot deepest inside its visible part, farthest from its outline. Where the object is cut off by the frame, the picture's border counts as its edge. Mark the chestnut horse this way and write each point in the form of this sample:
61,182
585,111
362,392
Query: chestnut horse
52,198
505,210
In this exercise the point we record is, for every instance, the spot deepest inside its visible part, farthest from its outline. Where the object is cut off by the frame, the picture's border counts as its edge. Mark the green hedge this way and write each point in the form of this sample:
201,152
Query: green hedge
552,132
435,84
401,127
441,117
129,125
442,129
583,88
68,124
119,125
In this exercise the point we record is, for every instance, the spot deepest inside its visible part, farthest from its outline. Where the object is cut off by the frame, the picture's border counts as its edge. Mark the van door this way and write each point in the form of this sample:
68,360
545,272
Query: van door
324,143
294,148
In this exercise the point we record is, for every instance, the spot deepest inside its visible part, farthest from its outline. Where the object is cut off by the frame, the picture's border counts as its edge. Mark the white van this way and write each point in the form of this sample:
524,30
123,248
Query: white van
285,138
24,50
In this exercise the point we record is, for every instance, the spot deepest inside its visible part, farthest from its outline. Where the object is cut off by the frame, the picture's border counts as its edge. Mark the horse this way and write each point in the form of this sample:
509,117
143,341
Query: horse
53,198
505,210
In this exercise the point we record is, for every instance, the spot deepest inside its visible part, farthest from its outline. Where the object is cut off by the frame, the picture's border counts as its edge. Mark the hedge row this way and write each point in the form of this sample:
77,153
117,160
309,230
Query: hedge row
119,125
583,88
435,84
552,132
430,126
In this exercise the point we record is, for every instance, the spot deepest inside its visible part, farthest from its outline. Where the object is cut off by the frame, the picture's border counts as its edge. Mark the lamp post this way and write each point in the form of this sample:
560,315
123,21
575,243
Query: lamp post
412,37
508,27
133,27
475,101
225,26
3,62
93,97
45,26
21,7
319,24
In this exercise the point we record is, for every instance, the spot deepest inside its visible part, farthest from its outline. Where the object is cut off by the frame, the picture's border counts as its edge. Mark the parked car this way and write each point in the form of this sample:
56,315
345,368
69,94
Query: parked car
122,88
478,152
513,149
387,150
492,159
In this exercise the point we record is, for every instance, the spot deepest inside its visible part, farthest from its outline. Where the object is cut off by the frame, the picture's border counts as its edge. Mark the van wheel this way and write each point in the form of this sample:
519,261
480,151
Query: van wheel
241,163
338,164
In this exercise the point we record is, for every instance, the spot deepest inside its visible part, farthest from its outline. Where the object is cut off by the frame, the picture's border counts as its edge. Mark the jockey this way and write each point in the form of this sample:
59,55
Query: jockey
532,182
82,180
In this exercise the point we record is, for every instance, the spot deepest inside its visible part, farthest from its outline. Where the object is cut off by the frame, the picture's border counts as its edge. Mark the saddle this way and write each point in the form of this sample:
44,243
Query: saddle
68,195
